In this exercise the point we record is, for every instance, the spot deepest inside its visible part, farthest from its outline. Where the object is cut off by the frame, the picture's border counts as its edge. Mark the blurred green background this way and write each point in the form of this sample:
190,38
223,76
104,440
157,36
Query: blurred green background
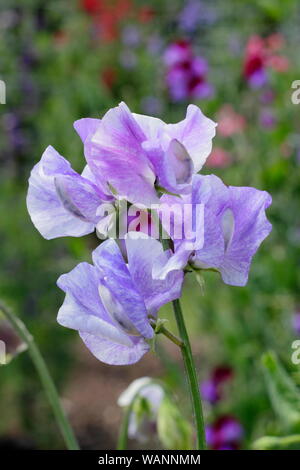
63,60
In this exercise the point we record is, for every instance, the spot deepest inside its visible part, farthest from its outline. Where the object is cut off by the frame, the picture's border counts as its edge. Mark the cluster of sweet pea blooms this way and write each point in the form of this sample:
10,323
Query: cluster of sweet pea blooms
186,74
262,54
141,159
225,432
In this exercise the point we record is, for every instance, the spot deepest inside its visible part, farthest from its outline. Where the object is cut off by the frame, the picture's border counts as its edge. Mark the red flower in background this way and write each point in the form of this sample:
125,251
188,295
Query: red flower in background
226,433
91,6
229,121
146,14
211,389
260,54
108,14
218,158
109,77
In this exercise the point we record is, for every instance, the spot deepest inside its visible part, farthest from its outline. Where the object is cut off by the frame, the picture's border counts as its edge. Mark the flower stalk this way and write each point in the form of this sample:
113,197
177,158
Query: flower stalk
191,375
45,377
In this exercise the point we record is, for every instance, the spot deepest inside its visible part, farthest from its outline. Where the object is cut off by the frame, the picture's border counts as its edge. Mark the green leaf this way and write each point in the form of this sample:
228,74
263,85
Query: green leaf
284,394
174,431
277,443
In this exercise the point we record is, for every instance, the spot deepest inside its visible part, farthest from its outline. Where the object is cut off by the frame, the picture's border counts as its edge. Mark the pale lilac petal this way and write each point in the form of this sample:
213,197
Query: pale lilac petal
251,228
210,191
235,227
151,127
176,262
101,185
79,196
195,132
235,224
86,127
83,310
117,279
44,205
173,166
142,253
115,354
114,154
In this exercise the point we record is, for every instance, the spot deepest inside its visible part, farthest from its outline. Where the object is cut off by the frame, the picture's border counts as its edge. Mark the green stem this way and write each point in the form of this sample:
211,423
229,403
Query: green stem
123,436
191,375
159,328
189,363
45,377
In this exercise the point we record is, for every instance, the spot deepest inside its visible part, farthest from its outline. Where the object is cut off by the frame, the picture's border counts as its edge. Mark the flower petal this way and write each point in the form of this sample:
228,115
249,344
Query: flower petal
86,127
235,226
116,277
83,310
47,212
115,354
248,206
115,155
142,253
195,132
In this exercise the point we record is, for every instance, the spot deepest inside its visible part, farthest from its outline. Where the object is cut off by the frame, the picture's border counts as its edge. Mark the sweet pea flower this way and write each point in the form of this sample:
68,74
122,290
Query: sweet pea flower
267,118
127,154
211,389
296,322
230,122
234,226
109,303
261,55
226,433
186,73
133,152
254,65
60,201
148,396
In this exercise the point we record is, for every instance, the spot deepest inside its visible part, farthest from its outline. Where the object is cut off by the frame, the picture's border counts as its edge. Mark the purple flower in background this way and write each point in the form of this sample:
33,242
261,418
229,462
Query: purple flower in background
296,323
195,12
226,433
209,391
186,73
131,36
267,119
109,302
235,225
142,421
124,151
211,388
128,59
267,96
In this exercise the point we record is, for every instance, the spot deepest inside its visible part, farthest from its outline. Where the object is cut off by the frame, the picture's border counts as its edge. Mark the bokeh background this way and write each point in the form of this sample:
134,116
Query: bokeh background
63,60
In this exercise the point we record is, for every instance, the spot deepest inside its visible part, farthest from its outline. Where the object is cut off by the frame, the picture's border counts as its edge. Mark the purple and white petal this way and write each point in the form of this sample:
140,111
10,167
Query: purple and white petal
251,227
114,154
113,353
195,133
86,127
84,311
234,228
118,291
142,253
45,206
